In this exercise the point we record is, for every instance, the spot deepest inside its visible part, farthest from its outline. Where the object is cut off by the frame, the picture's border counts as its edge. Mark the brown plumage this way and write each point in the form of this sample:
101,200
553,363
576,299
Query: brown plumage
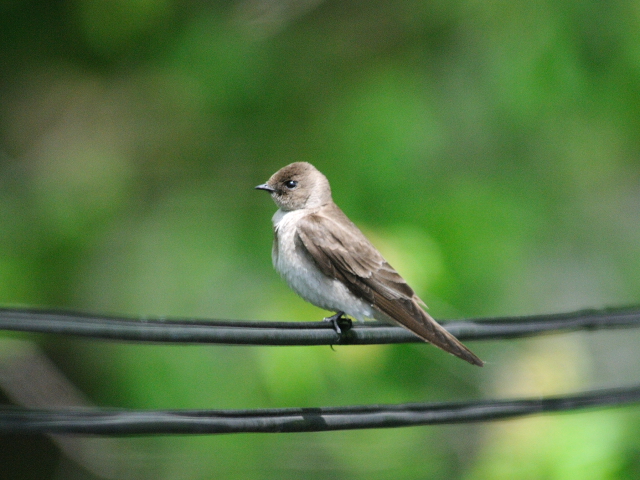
319,252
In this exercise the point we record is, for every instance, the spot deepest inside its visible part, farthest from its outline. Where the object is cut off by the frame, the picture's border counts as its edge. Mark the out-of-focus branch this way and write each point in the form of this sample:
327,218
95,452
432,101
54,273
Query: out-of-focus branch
30,379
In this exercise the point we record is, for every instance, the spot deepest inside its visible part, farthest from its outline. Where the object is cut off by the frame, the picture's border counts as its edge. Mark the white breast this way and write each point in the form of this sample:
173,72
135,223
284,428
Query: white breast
304,277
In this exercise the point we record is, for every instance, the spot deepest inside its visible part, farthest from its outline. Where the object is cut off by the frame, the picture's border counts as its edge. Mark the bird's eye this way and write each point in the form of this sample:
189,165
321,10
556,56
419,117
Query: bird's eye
291,184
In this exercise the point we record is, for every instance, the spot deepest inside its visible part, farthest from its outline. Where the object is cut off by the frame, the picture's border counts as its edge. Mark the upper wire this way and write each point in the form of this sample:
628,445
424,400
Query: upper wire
159,330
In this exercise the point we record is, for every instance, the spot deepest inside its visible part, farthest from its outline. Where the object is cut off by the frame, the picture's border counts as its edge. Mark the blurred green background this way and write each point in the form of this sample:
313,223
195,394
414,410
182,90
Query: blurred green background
490,150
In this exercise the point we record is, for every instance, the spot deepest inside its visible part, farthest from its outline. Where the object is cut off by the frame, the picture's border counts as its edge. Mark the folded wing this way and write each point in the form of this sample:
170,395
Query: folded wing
341,251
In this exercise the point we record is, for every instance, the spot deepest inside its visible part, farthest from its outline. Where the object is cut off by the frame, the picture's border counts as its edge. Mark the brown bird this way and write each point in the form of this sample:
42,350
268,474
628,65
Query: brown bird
329,262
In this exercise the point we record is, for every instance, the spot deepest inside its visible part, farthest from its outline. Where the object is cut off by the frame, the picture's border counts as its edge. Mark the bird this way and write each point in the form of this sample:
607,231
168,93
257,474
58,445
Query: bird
325,258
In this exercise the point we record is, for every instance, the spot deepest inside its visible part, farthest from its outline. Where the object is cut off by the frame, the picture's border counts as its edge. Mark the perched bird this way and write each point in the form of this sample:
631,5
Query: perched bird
329,262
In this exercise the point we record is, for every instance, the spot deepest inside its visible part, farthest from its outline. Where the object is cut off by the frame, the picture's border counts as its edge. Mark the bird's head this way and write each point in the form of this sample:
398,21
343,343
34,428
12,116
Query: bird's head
297,186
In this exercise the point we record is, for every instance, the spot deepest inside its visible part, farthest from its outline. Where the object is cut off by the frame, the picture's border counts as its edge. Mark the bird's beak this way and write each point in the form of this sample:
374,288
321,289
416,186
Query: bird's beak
266,187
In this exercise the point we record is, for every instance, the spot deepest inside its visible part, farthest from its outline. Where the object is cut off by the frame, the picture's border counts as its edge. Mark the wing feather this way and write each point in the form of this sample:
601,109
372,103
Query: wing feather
341,251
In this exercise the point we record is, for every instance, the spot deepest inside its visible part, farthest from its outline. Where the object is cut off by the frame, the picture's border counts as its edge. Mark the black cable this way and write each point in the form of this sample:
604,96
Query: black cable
163,422
300,333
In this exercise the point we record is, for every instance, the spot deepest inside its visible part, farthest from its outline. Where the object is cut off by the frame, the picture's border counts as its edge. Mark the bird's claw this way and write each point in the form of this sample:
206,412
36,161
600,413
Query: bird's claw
339,322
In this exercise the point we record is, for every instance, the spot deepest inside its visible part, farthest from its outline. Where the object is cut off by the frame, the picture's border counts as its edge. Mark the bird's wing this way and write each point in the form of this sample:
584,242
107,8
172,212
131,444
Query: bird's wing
341,251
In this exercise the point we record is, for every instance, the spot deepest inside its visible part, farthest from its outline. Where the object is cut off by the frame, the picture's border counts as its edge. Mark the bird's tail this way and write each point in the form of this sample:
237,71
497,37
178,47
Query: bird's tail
432,332
415,319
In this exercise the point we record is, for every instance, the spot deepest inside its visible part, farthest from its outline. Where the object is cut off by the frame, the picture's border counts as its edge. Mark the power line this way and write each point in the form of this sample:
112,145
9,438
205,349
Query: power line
288,420
300,333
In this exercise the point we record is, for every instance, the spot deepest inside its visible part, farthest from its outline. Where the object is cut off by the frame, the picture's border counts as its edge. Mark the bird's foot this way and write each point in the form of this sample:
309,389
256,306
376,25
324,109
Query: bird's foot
339,322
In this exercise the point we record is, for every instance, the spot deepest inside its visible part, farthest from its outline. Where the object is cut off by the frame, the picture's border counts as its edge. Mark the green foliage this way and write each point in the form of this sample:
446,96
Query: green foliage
489,149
